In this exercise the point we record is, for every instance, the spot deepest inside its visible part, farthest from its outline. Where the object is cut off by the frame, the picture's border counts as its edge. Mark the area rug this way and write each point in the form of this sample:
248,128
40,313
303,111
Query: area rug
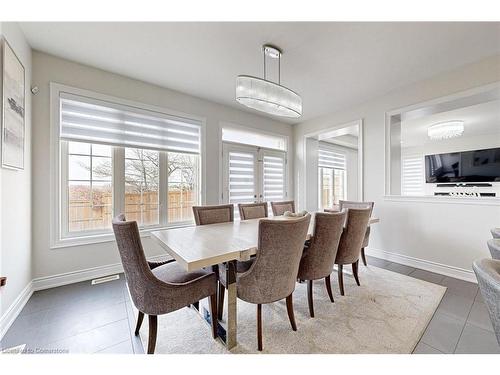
388,313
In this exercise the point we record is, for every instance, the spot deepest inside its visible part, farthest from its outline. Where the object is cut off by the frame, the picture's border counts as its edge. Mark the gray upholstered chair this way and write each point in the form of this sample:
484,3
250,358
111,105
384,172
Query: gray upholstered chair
495,232
272,276
317,261
351,242
352,204
252,210
161,287
488,276
279,208
204,215
494,246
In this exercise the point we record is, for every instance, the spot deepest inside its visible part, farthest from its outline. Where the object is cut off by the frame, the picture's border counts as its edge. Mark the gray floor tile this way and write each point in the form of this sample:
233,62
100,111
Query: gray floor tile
427,276
460,287
400,268
443,332
423,348
124,347
456,306
479,297
94,340
377,262
477,340
64,324
480,317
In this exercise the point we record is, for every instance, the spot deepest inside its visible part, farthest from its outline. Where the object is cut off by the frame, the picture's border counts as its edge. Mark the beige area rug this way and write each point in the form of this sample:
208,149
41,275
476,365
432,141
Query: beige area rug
388,313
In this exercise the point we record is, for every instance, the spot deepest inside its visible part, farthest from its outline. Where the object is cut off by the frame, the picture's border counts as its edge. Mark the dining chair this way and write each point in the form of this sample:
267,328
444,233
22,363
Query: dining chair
204,215
318,259
279,208
494,246
488,277
351,241
352,204
252,210
159,288
495,232
272,276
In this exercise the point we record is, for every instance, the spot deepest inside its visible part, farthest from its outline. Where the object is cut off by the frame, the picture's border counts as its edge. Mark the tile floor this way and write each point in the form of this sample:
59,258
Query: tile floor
81,318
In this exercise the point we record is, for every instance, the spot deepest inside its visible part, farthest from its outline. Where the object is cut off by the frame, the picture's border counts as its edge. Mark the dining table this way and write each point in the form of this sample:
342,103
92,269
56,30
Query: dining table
206,246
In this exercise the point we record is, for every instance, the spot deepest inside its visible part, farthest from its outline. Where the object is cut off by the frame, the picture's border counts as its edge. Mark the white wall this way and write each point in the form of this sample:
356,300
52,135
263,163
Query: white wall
449,234
15,195
46,69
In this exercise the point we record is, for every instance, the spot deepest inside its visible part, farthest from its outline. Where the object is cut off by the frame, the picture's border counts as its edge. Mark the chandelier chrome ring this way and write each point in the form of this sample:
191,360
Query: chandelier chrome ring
267,96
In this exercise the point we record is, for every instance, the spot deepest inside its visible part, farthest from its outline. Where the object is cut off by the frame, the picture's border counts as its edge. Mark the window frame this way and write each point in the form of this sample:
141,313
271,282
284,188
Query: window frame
59,236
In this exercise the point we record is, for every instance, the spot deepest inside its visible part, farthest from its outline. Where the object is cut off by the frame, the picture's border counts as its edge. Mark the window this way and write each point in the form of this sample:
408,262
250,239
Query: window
117,158
142,182
90,196
412,175
183,186
332,177
254,167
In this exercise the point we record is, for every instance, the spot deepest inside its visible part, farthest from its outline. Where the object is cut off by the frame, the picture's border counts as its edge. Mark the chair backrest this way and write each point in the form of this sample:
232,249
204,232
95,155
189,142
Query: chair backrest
353,204
273,274
488,277
319,258
135,265
204,215
279,208
494,246
252,210
353,235
495,232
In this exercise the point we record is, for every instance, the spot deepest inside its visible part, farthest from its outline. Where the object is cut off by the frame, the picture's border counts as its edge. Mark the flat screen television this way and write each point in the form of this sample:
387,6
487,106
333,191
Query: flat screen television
466,166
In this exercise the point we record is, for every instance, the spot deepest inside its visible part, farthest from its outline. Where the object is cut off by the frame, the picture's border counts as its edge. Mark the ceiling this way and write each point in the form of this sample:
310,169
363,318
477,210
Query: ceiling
331,64
480,119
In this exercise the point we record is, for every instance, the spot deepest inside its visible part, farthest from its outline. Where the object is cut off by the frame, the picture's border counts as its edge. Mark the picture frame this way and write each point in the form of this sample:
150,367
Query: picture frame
13,109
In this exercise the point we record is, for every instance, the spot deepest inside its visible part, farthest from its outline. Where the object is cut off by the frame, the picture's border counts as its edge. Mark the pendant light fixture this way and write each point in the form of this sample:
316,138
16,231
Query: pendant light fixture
446,130
266,96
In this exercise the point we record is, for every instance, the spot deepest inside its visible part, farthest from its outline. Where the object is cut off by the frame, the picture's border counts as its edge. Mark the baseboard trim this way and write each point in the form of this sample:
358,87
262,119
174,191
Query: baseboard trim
53,281
15,309
66,278
443,269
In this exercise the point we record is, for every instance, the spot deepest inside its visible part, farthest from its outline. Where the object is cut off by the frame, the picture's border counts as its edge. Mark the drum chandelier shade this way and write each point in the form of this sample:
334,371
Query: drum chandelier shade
266,96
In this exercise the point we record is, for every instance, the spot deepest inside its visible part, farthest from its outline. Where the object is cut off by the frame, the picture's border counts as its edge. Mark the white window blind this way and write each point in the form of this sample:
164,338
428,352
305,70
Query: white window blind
95,121
274,177
412,175
242,175
331,159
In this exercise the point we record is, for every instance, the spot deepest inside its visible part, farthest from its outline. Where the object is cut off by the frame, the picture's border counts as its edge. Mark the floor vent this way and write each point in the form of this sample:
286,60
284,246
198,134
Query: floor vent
105,279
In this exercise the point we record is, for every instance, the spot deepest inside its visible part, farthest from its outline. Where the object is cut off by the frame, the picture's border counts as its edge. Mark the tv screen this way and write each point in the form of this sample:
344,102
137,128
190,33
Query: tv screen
466,166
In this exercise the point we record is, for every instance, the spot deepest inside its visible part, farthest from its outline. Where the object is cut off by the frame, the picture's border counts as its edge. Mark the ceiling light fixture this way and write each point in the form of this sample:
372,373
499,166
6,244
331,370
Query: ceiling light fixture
267,96
446,130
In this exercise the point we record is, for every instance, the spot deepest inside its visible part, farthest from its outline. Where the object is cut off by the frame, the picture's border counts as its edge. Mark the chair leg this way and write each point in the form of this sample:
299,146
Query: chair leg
355,271
341,279
153,325
289,309
329,287
213,314
220,307
196,305
310,297
140,317
363,257
259,327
